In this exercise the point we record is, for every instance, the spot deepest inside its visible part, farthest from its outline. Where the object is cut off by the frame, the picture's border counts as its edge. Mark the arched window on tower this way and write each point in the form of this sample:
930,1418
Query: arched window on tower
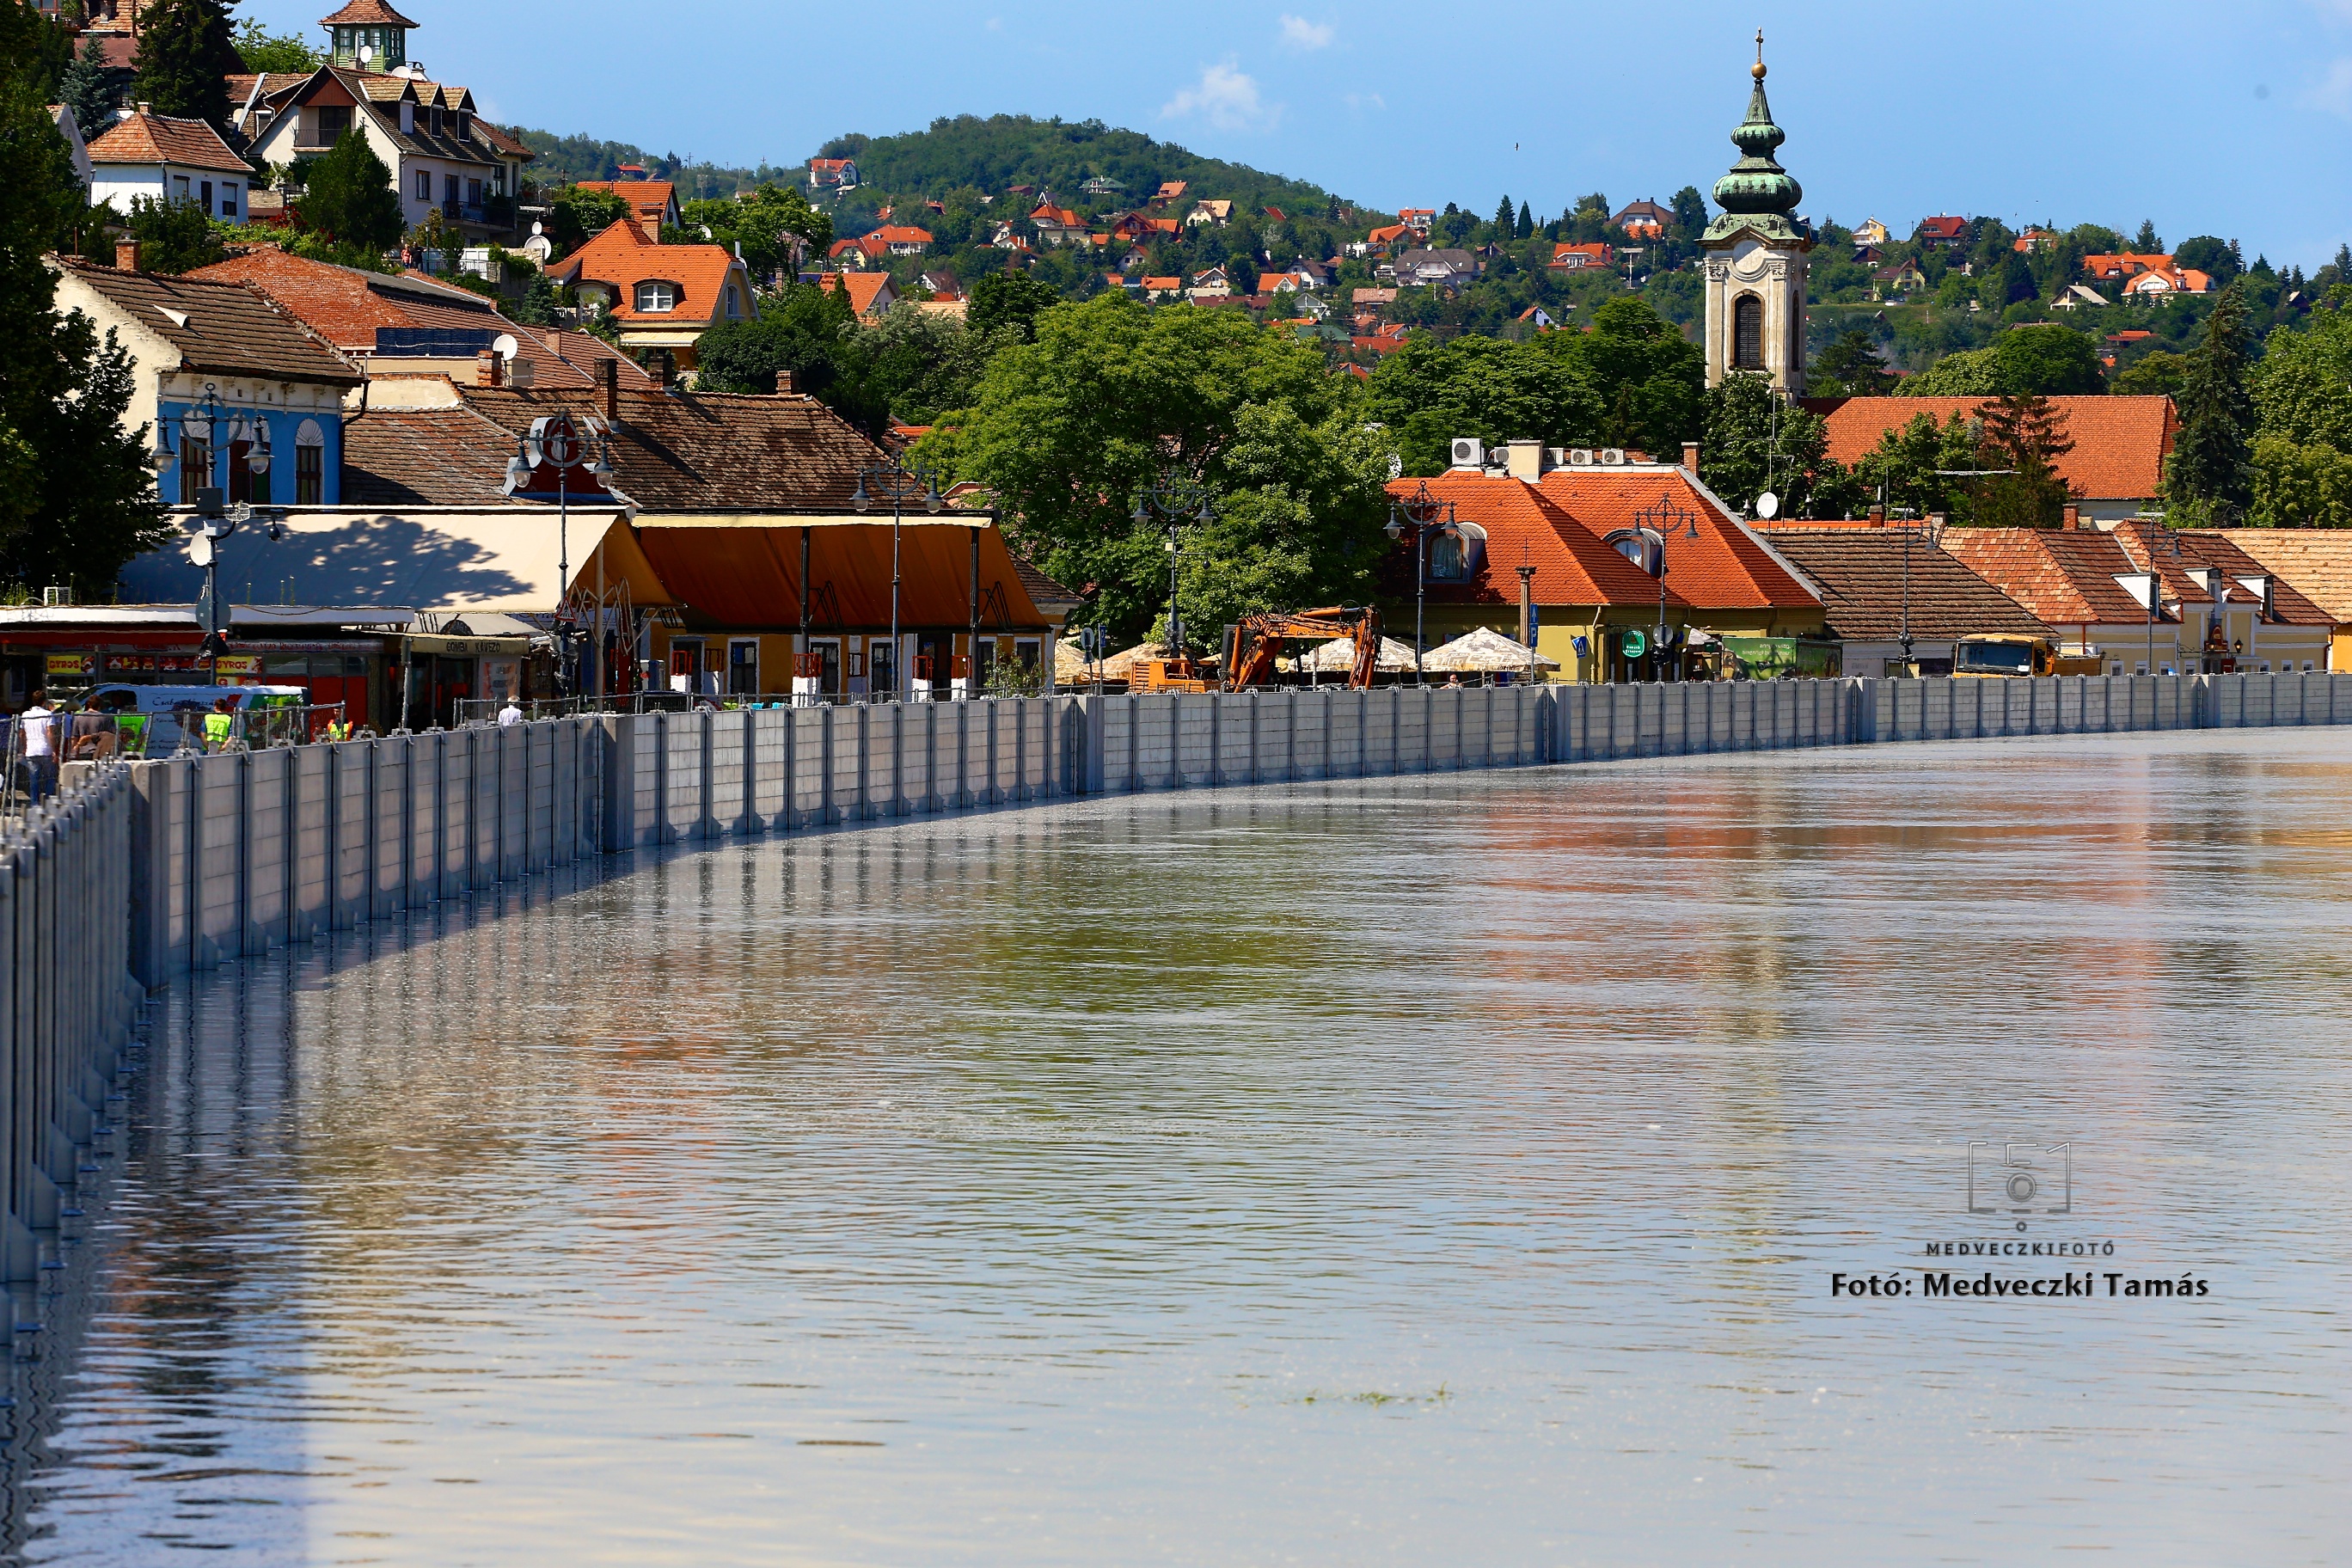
1748,334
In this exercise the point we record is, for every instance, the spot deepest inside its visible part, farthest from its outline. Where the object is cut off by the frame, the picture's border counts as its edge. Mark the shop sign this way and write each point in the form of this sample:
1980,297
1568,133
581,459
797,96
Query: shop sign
240,664
71,663
130,664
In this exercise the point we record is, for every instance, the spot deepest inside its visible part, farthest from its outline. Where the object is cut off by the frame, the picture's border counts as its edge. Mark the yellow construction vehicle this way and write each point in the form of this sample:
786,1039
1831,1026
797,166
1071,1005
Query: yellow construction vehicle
2007,654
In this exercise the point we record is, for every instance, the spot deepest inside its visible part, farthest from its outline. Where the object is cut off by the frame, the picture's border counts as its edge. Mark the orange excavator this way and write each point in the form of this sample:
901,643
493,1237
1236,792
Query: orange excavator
1251,647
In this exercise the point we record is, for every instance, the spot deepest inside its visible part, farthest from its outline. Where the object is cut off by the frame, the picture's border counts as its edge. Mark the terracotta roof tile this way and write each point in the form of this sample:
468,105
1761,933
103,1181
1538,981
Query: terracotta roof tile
1862,575
228,328
2120,443
2316,560
147,137
623,257
2151,547
2063,576
366,14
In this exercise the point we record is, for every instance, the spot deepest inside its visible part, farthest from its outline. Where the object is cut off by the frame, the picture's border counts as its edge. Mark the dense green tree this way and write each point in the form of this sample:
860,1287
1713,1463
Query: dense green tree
2302,402
541,300
262,50
1636,361
1433,390
2147,243
2152,374
187,50
2023,433
1849,367
916,365
92,88
1905,471
2210,475
172,236
2216,258
577,215
1114,397
1525,228
1757,440
77,500
1504,219
349,197
1690,211
800,329
2043,361
774,228
1013,299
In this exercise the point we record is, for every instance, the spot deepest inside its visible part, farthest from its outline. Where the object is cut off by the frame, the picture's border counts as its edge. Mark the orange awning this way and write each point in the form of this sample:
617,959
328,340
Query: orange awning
744,574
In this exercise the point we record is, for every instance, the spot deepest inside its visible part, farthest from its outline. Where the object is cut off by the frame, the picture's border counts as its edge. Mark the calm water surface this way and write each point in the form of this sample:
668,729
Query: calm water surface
1433,1171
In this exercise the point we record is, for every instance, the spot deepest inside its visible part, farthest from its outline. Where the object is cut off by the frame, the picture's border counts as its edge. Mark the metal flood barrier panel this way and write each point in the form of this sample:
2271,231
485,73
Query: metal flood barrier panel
66,1003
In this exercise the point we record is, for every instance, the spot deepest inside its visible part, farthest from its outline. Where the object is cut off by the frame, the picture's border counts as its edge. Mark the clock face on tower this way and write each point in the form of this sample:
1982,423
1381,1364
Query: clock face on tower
1755,269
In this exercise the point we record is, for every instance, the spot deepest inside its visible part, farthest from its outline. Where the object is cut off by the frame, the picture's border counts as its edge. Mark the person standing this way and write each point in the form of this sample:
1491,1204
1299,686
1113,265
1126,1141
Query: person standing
509,714
39,721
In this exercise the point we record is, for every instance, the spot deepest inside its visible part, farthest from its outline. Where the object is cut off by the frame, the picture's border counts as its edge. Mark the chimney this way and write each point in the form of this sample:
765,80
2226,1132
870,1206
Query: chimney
608,371
1878,517
1690,456
126,256
660,365
784,383
487,367
2074,515
1524,460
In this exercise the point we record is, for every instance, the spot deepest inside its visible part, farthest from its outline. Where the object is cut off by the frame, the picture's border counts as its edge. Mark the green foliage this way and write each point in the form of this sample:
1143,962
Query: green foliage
2303,403
2036,361
1849,367
262,50
1757,440
775,227
75,498
2147,243
1114,397
2152,373
580,215
92,88
2024,433
2208,253
1972,374
186,53
799,328
1010,300
915,366
565,160
172,236
2211,468
2300,485
542,298
1902,470
349,199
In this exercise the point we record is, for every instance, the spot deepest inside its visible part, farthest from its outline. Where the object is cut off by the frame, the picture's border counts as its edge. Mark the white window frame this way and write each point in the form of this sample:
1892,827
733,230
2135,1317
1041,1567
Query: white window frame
654,297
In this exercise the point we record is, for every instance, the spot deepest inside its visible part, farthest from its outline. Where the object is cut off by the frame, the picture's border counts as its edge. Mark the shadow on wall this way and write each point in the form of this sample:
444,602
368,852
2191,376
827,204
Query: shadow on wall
383,559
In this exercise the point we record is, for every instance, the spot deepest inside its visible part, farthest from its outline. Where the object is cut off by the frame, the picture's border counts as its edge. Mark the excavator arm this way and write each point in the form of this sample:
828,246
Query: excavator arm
1250,655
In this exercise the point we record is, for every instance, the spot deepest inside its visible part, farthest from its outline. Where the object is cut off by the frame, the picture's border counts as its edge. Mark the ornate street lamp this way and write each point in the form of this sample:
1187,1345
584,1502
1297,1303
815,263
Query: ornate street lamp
898,481
1174,500
1426,518
553,440
1654,524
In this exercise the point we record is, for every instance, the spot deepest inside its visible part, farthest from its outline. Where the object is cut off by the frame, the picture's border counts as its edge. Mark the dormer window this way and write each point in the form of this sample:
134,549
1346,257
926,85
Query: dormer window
407,117
734,304
654,298
435,113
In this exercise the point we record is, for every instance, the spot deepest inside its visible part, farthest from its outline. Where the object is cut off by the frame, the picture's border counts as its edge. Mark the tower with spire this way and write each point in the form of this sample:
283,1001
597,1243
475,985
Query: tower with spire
1756,258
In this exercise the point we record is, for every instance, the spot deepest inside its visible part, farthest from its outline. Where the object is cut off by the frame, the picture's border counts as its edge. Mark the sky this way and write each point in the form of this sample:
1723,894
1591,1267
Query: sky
2234,121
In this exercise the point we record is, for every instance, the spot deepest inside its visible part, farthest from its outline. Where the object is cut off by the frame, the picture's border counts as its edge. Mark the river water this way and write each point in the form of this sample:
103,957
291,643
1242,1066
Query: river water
1428,1171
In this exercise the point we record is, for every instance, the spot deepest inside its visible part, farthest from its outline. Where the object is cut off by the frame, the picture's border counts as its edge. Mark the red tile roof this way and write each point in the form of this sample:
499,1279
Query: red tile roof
1943,228
1560,525
2120,443
623,257
863,288
650,198
2151,548
223,327
2064,576
366,14
1873,586
147,137
2316,560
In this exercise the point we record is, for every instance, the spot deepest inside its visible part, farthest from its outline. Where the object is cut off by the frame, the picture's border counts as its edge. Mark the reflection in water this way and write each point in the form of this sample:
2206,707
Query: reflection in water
1406,1171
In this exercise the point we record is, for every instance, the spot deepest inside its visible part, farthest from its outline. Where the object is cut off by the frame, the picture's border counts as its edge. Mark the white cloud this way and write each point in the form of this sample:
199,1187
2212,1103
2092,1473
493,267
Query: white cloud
1301,34
2335,93
1359,101
1224,97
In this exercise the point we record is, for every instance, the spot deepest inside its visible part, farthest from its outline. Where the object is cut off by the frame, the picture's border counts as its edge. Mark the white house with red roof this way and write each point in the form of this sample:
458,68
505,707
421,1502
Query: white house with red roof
660,296
838,173
160,157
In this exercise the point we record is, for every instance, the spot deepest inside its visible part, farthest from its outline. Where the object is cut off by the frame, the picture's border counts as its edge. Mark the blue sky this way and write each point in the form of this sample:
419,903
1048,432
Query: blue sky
2234,121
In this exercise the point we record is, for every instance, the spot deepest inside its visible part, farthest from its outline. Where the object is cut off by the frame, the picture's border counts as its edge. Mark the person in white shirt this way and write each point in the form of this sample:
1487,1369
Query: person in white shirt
509,714
39,723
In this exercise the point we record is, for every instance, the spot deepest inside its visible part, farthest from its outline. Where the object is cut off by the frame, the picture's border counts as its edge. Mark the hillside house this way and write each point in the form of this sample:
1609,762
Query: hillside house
833,173
1209,284
1057,225
1870,231
1219,213
2125,263
1572,258
1943,232
2159,284
871,294
1643,220
660,296
1169,191
1417,219
1424,268
164,158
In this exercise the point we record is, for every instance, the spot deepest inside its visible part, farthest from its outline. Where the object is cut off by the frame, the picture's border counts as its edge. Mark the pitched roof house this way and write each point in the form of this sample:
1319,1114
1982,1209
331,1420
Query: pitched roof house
2122,264
1571,257
1642,219
162,157
660,296
2317,563
841,173
871,294
2117,468
2160,282
655,202
1428,266
1943,231
1219,213
1577,527
1169,191
1877,584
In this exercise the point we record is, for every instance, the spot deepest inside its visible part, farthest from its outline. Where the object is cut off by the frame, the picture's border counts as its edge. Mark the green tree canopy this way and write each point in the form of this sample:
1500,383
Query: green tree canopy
579,215
1433,390
2211,255
1757,440
1114,397
90,87
2030,361
262,50
77,500
186,53
350,199
2303,406
2152,373
2210,475
2023,433
172,236
769,227
1010,299
799,328
1849,367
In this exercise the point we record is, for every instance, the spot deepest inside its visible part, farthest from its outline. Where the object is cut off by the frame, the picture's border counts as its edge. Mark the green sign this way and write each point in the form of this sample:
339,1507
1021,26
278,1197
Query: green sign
1636,644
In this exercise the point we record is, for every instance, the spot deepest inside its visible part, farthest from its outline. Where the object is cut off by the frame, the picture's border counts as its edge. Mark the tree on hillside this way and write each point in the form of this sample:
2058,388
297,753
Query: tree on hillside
1757,440
1525,228
77,500
2146,242
90,87
2217,258
2302,405
186,53
1504,217
2210,474
1433,390
349,197
1010,299
2048,362
1849,367
1115,397
1690,211
2024,433
262,50
2152,374
577,215
775,228
1635,359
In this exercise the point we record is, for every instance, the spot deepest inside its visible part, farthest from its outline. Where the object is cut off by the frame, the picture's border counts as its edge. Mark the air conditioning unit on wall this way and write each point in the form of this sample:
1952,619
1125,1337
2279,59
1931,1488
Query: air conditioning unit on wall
1469,454
1613,456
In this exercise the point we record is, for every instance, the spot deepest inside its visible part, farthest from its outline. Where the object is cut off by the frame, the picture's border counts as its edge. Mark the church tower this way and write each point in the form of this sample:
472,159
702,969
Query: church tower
1755,259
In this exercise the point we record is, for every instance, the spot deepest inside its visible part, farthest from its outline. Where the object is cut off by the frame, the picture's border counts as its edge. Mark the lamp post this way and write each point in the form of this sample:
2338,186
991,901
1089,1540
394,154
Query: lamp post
215,521
1932,534
555,442
1655,524
1419,512
895,481
1172,501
